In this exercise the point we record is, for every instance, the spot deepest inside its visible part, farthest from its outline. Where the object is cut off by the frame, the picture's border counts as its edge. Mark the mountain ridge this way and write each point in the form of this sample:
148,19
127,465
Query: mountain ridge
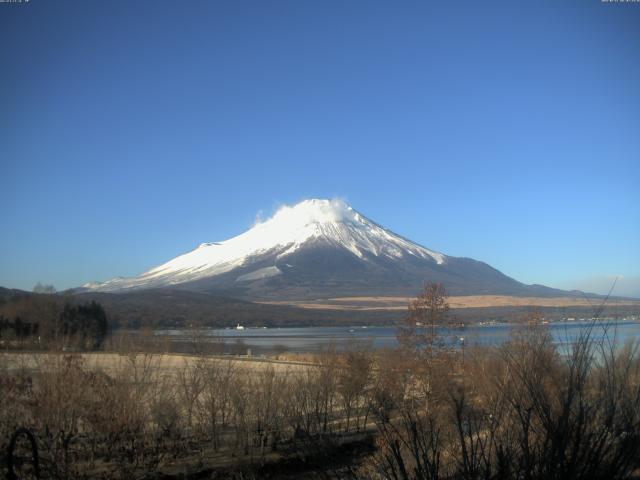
320,248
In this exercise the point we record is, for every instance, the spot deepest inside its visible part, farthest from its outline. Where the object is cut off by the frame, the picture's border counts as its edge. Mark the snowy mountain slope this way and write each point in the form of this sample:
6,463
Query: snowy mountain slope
285,233
312,249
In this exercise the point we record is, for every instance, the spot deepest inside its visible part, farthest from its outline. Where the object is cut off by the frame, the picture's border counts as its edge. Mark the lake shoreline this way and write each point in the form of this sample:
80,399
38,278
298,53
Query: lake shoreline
313,339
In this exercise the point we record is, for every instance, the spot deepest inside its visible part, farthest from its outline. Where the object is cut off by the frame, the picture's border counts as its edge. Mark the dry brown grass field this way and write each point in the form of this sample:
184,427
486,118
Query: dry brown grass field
467,301
166,363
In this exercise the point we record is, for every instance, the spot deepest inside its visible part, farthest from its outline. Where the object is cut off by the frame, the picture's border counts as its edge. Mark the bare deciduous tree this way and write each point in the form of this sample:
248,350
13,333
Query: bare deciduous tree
427,312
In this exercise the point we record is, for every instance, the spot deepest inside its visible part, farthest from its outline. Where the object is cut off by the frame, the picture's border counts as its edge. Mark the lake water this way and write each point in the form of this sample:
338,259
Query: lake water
310,339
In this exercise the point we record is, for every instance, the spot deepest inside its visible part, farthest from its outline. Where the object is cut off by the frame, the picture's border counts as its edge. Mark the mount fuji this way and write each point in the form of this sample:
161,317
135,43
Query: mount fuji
320,249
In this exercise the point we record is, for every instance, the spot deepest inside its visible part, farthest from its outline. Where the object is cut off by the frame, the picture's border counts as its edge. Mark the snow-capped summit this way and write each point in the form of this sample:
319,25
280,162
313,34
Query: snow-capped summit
287,231
311,249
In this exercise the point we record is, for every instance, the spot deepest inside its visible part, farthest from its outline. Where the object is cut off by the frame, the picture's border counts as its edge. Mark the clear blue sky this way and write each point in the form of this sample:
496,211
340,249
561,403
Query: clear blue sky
509,132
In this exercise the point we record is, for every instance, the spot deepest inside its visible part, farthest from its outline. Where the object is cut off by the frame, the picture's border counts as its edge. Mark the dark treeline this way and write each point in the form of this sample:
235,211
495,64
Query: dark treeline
168,308
50,322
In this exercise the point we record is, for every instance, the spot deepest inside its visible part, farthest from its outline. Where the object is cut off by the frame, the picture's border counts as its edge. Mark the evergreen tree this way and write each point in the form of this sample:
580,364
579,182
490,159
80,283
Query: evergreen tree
86,324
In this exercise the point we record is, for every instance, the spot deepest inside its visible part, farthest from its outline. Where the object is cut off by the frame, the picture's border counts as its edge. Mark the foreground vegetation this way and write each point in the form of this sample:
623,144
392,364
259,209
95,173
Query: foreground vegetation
527,409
